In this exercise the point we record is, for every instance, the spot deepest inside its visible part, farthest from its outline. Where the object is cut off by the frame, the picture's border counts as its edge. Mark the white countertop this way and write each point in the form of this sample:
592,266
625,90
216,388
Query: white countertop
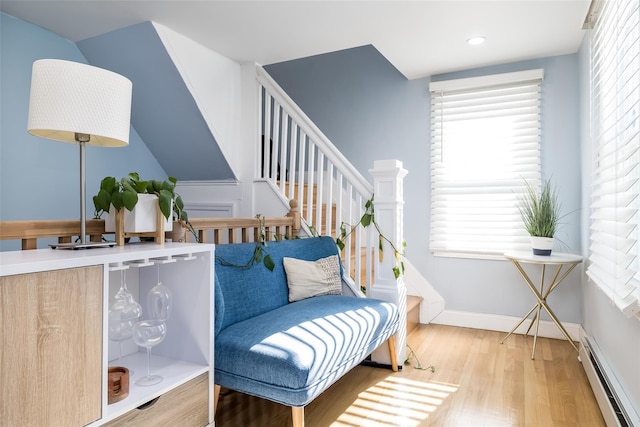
31,261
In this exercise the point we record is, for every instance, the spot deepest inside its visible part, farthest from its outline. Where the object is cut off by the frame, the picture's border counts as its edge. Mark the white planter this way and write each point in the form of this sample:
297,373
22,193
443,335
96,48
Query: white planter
541,245
142,219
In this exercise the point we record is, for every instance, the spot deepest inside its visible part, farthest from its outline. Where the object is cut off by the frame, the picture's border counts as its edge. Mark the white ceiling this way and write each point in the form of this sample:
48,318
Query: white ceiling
420,38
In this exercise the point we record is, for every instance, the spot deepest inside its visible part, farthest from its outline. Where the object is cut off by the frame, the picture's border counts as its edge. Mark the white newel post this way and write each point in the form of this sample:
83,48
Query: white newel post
388,176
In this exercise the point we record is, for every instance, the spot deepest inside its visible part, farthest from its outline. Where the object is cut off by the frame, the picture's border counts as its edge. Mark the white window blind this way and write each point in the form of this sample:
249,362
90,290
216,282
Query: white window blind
485,141
615,136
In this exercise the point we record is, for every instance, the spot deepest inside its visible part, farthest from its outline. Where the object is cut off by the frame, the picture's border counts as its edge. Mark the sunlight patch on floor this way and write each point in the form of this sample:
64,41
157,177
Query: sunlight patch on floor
395,402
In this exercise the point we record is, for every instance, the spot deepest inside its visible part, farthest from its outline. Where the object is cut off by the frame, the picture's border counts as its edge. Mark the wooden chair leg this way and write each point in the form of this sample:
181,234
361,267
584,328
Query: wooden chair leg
216,397
392,353
298,416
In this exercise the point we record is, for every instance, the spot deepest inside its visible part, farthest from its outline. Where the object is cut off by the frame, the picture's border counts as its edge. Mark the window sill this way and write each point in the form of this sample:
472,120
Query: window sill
470,255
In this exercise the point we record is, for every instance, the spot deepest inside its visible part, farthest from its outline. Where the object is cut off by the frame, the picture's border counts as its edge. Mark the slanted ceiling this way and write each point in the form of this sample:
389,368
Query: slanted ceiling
163,111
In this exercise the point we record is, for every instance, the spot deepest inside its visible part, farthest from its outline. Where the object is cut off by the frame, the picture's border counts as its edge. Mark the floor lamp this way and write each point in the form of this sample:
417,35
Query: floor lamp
78,103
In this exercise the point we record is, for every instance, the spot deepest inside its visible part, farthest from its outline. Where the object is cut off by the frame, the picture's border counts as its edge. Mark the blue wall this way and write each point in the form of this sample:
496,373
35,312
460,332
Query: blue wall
370,111
163,109
40,178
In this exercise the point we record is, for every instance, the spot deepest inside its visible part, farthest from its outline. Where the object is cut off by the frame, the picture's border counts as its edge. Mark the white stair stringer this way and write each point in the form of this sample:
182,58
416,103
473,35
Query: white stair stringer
222,111
432,303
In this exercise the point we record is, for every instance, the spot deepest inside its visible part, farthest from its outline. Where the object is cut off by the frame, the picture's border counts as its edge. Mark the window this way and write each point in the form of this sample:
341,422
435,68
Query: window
485,141
615,136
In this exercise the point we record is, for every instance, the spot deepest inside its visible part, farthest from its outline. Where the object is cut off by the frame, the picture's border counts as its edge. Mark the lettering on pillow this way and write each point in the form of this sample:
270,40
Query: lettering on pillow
308,279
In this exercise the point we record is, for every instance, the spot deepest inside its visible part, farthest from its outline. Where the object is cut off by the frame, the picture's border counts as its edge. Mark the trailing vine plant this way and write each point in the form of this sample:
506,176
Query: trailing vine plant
260,253
413,355
368,218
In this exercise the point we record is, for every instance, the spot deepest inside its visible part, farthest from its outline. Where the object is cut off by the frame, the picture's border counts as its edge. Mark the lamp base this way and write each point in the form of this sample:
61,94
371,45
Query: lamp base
82,245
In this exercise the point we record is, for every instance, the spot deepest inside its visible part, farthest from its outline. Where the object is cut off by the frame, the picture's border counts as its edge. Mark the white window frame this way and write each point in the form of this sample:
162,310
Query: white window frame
474,197
614,229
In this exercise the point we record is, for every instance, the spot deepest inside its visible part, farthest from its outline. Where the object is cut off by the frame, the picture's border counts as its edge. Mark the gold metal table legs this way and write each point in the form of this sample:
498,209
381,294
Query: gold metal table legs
541,296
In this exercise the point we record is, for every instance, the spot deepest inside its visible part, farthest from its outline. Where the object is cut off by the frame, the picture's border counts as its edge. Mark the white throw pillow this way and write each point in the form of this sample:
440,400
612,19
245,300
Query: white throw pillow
312,278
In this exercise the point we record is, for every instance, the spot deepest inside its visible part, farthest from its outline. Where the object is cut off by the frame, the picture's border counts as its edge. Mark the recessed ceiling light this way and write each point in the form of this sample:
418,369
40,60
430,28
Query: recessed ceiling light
476,40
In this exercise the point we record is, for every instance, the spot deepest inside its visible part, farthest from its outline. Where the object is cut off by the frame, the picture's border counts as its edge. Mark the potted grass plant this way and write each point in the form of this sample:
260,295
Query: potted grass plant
540,212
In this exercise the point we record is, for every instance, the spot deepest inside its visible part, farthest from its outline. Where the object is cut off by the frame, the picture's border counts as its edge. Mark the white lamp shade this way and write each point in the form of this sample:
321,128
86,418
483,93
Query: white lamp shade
69,97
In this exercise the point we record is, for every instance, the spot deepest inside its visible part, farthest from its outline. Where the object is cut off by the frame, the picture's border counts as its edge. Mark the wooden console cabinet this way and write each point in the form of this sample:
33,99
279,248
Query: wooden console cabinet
55,350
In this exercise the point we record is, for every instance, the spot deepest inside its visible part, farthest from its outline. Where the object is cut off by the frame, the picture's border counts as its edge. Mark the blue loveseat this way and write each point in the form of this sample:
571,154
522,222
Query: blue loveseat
289,352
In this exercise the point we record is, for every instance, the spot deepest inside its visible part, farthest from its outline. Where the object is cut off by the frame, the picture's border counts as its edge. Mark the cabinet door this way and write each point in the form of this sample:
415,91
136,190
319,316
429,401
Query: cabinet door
51,341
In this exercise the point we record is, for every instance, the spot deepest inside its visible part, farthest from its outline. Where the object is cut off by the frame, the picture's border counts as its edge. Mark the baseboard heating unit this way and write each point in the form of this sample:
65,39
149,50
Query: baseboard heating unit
612,400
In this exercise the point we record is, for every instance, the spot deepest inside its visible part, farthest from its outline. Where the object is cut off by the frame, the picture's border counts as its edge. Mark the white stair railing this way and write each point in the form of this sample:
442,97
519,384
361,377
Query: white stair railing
301,162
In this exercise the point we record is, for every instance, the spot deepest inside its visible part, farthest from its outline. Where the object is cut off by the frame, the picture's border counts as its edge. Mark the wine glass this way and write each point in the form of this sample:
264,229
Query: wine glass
124,312
159,301
120,328
123,300
148,333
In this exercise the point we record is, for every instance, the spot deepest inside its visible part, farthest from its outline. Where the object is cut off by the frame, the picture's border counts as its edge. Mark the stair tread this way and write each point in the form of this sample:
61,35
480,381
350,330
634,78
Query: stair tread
413,312
413,301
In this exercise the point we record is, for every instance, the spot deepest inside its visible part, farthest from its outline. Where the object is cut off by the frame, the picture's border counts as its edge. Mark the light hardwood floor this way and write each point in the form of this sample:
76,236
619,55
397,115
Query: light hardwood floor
477,382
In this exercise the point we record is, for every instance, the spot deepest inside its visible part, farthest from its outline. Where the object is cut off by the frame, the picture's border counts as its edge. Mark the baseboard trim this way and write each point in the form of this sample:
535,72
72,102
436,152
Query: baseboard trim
612,399
496,322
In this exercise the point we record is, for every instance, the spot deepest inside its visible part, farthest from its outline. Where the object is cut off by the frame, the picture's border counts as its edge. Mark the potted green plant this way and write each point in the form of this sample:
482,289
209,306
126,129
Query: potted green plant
540,212
139,198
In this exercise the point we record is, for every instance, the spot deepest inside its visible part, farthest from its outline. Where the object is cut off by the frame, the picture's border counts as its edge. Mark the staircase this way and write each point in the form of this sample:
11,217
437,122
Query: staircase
300,163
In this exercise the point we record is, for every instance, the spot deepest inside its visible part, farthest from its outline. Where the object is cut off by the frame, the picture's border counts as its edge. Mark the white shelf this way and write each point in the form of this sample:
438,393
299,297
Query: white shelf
173,372
186,352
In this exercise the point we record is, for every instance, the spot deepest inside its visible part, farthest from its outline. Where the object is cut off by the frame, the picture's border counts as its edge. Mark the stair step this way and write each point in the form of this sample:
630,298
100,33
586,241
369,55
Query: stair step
322,230
305,191
311,219
413,312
